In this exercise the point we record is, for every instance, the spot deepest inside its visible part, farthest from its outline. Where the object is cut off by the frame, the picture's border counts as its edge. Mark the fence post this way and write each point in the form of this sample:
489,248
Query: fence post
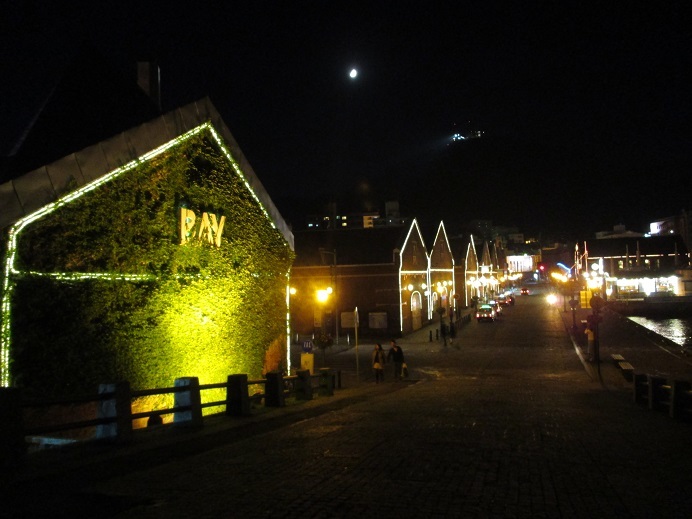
237,398
12,445
657,398
640,387
274,390
118,409
680,401
303,385
326,382
190,398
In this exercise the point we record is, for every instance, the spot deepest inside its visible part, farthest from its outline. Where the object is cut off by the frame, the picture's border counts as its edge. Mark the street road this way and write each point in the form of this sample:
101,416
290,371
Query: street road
505,422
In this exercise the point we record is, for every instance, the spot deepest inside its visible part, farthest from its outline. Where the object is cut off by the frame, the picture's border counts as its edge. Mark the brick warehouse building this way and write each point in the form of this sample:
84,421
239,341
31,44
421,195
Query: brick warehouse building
385,272
137,248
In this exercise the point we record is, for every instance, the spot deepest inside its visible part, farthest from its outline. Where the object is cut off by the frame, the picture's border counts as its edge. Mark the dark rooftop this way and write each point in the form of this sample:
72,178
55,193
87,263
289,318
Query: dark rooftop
349,246
90,101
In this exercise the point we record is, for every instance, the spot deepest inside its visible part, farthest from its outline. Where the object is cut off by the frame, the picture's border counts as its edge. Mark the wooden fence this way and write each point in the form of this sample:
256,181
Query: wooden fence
114,417
673,397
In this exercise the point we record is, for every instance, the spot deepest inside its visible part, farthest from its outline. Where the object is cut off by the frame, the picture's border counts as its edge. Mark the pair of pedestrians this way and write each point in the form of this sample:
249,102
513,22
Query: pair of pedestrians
395,354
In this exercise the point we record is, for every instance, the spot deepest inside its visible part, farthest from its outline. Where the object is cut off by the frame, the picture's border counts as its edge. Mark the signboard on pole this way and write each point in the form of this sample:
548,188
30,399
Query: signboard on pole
355,319
348,319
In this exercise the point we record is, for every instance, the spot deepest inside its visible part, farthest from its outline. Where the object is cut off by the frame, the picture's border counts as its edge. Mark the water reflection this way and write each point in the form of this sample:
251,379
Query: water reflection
677,330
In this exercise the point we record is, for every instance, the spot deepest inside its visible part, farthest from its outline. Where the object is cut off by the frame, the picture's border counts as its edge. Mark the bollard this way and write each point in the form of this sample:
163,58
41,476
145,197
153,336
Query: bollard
190,398
681,400
658,393
12,445
274,390
118,409
640,388
437,334
237,397
326,382
303,385
430,335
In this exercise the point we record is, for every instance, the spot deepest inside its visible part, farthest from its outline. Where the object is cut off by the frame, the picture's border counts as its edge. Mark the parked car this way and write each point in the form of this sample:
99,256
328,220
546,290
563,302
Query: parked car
485,313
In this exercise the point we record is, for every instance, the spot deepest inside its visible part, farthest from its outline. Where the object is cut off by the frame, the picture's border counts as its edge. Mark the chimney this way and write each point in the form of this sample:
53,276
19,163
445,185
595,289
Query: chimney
149,80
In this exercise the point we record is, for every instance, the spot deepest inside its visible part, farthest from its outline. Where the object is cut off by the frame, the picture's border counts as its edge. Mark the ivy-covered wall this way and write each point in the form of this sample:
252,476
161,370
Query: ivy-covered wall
133,303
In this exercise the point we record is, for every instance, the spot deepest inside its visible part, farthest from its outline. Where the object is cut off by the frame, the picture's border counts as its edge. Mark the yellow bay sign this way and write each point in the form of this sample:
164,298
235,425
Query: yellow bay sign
209,228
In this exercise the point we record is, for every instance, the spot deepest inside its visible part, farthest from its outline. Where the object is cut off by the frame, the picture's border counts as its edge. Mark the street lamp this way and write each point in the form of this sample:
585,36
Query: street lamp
323,294
334,276
562,279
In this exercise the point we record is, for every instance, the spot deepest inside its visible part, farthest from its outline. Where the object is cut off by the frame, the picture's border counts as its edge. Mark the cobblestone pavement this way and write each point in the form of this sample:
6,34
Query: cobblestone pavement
509,421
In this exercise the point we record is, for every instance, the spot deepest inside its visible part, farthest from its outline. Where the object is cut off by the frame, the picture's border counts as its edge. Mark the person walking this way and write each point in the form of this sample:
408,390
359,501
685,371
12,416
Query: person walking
590,342
378,361
396,354
443,333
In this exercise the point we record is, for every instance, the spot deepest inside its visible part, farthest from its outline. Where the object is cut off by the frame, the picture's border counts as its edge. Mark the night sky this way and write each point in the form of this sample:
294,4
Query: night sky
585,107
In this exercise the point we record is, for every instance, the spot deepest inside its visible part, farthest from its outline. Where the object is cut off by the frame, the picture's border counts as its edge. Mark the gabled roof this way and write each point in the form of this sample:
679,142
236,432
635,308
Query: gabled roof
349,246
459,245
441,240
471,260
37,188
486,259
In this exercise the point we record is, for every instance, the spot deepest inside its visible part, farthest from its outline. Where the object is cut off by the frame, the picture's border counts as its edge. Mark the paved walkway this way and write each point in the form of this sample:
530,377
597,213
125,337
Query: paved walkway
492,426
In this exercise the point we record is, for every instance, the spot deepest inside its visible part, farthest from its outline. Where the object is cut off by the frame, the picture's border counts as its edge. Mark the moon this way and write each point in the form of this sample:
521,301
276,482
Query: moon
353,73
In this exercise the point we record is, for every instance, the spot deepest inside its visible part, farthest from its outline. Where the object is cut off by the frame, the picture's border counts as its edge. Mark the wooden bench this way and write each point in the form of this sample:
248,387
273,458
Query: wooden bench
627,370
617,357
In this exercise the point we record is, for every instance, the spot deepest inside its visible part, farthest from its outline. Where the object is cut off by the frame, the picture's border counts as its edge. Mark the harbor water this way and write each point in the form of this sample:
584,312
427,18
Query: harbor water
677,330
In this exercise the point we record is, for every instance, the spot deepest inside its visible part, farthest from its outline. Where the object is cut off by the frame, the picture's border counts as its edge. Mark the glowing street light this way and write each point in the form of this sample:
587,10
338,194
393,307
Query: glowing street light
323,295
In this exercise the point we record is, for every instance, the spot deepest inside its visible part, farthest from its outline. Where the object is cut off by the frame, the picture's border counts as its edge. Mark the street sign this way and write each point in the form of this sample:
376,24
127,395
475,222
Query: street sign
307,346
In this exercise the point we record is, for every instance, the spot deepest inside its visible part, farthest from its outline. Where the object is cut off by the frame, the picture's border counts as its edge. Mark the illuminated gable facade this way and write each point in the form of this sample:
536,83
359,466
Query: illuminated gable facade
155,255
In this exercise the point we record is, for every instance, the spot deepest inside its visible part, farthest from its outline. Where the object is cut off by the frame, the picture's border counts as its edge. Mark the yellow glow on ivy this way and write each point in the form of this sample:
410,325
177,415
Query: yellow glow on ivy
193,326
289,292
